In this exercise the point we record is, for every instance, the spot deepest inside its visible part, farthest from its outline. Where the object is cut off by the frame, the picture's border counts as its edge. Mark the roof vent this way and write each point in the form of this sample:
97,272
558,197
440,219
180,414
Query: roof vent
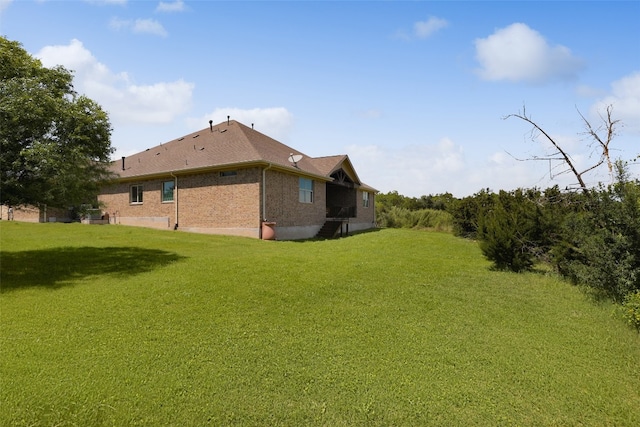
123,162
211,125
195,136
228,117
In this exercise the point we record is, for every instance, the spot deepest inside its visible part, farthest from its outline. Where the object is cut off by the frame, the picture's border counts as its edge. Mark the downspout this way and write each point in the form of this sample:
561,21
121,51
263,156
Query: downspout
264,192
264,196
175,199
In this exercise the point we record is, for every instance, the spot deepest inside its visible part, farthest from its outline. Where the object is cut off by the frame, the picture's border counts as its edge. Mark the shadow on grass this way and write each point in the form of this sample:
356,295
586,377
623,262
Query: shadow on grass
350,234
57,267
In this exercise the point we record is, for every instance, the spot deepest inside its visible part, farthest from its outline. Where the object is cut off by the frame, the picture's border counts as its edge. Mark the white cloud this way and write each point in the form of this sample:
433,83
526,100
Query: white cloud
149,26
625,99
276,122
124,100
175,6
443,167
119,24
139,26
500,171
412,170
586,91
518,53
424,29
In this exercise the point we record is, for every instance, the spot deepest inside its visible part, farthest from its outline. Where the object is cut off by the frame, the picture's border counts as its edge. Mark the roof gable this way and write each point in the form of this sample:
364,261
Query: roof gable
331,164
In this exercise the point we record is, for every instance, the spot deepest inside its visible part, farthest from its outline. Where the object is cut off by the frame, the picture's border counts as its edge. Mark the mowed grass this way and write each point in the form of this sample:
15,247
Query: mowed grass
111,325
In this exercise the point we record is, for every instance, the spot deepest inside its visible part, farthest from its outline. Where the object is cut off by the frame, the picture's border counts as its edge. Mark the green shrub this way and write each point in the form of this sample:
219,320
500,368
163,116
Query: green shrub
505,232
433,219
399,217
466,212
603,262
600,245
631,309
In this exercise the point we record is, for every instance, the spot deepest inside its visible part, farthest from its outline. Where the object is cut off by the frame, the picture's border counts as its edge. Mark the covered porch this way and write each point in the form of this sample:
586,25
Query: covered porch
342,197
341,205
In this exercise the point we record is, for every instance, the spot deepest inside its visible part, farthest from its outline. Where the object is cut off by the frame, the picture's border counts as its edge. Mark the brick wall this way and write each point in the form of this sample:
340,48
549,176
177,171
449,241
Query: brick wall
115,200
35,214
206,200
211,203
283,204
23,213
365,216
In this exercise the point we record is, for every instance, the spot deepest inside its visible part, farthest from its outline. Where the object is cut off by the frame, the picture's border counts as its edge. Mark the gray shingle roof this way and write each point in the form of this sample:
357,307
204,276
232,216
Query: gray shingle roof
229,144
225,145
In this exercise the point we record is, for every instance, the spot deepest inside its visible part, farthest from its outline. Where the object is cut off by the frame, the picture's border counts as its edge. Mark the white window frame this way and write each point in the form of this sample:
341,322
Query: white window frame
165,193
139,194
365,199
305,193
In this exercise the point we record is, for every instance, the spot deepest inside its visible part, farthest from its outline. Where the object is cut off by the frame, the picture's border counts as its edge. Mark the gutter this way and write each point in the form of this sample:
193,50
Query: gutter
175,199
242,165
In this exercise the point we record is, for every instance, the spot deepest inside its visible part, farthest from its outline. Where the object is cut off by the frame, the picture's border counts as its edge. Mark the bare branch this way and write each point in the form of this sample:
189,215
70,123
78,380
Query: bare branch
608,125
564,155
531,158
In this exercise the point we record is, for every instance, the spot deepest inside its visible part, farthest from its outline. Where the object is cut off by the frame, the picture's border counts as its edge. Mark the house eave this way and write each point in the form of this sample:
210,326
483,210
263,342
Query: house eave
222,167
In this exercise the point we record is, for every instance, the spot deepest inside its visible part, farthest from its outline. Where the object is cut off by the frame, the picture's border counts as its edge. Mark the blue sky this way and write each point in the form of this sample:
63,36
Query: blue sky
414,92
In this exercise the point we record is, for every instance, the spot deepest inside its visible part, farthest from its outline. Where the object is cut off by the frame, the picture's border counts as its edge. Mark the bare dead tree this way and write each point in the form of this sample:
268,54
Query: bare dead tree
600,136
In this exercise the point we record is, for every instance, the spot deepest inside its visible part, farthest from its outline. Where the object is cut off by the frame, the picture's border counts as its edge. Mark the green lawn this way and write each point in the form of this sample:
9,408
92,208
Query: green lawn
111,325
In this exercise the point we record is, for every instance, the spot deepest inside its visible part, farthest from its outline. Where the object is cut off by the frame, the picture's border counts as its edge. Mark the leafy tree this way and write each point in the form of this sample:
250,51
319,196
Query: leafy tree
437,202
601,242
54,144
385,201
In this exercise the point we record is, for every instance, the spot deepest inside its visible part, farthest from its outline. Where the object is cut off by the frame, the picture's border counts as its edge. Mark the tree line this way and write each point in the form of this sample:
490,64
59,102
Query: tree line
590,237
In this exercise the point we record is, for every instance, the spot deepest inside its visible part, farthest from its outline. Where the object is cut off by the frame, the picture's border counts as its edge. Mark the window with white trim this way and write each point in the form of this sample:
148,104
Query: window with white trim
306,190
135,194
365,199
167,191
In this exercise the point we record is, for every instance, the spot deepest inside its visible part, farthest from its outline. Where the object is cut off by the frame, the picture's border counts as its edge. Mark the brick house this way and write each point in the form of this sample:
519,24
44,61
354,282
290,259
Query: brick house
231,179
30,213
